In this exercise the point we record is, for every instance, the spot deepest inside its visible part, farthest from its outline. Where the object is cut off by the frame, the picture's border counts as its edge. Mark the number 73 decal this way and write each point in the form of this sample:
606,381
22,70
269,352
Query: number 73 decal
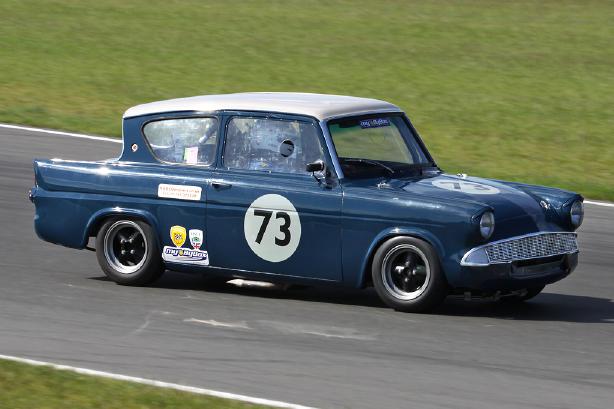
272,228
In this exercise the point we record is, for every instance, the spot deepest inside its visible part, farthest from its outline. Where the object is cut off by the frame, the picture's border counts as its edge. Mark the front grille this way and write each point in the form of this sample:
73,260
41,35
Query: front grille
533,246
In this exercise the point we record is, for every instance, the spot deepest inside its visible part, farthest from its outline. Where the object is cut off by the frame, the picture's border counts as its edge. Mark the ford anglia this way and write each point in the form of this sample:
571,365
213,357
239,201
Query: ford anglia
306,189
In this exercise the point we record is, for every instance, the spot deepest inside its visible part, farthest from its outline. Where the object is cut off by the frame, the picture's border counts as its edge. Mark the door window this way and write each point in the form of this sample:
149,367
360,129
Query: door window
273,145
189,141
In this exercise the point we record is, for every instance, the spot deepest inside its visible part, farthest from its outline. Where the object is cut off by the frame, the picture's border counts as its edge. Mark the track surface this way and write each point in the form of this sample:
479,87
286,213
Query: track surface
314,347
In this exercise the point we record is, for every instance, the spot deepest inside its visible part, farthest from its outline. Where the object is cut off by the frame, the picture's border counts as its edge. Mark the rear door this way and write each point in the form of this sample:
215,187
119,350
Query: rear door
265,212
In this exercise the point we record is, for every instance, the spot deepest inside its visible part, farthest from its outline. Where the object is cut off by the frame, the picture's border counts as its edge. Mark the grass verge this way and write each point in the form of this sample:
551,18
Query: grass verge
517,90
25,386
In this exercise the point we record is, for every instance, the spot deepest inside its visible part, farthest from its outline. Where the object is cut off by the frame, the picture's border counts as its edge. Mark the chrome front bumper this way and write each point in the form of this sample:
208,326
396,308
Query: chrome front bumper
527,247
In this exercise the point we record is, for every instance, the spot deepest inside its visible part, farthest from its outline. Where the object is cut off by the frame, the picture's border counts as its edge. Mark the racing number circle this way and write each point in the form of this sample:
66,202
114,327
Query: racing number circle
472,188
272,228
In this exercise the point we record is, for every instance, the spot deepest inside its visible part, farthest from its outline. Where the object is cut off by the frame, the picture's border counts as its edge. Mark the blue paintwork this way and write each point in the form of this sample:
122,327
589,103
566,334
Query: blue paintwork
342,223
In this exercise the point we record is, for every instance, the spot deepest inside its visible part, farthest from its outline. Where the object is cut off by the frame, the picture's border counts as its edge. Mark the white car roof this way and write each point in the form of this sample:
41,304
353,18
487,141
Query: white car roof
319,106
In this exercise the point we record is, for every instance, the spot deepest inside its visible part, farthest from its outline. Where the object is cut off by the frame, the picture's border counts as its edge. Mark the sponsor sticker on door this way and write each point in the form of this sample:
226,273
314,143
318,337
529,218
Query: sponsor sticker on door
178,254
185,256
196,238
178,235
182,192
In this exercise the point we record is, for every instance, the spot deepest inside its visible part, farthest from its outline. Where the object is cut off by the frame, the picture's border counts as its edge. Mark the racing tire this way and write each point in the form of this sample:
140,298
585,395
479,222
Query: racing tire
531,293
127,251
407,275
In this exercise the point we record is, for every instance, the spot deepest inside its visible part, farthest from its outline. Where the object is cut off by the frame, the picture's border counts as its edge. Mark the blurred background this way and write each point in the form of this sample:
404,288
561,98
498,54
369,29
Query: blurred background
518,90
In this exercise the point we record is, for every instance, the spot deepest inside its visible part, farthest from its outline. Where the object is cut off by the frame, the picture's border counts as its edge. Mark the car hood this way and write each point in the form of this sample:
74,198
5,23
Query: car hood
518,208
507,201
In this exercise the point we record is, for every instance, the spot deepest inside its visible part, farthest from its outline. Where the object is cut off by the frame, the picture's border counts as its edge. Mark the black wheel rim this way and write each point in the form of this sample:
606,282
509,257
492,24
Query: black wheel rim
406,272
125,246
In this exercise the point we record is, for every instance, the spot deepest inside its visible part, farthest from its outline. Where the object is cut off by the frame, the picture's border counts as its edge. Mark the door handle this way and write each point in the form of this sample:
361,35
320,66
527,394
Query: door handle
220,185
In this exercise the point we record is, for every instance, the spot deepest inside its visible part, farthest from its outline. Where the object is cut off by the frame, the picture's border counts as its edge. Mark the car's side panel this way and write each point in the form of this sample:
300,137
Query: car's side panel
318,209
70,218
371,214
71,198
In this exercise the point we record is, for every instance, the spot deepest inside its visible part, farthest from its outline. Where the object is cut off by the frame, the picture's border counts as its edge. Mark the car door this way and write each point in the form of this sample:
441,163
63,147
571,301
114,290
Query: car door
185,149
265,212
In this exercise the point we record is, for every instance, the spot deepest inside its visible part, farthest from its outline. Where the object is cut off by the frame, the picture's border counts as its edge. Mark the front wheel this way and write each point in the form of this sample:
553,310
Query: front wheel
407,275
127,252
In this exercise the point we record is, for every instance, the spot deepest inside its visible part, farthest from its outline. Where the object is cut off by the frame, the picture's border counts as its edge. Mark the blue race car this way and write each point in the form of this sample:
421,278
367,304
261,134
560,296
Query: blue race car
307,189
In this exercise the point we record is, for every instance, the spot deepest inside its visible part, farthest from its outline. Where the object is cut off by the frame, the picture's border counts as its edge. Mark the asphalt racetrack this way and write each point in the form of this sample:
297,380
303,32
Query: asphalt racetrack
318,347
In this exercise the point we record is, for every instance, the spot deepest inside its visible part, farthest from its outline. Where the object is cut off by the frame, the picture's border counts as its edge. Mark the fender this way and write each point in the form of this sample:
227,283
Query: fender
418,233
96,220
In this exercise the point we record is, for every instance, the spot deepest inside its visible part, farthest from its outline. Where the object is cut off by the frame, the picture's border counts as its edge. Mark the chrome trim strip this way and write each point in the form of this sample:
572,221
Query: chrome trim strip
465,263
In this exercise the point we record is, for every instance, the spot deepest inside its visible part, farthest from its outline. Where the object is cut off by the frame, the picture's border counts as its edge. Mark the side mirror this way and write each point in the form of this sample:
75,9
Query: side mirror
317,166
320,173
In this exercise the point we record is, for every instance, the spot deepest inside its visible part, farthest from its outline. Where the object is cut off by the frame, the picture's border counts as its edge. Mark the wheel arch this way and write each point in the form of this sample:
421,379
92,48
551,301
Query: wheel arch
365,270
100,217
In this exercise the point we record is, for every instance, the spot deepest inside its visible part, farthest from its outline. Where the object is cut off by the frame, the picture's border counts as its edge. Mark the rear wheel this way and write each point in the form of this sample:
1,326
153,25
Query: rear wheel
128,253
407,275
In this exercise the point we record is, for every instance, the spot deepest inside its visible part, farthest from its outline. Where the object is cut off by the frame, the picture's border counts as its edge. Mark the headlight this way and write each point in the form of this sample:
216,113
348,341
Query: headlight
577,213
487,224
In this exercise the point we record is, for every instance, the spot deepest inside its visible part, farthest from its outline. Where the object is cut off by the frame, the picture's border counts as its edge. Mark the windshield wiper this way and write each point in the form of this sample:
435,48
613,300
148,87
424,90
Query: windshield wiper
371,162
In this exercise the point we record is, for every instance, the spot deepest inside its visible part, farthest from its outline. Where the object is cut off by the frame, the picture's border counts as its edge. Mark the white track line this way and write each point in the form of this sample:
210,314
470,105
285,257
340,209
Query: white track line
605,204
60,133
159,384
214,323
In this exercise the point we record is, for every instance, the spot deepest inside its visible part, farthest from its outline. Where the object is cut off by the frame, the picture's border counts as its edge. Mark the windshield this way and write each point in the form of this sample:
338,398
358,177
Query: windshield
375,145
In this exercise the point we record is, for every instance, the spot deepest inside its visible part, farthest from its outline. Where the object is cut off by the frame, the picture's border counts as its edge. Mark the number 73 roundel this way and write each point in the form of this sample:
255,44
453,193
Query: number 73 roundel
272,228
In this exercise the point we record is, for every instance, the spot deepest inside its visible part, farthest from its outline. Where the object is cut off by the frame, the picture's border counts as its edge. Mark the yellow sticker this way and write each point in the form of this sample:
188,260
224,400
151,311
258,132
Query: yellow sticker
178,235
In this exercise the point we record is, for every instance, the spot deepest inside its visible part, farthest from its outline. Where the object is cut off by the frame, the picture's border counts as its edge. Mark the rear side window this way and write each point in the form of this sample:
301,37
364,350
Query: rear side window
273,145
190,141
